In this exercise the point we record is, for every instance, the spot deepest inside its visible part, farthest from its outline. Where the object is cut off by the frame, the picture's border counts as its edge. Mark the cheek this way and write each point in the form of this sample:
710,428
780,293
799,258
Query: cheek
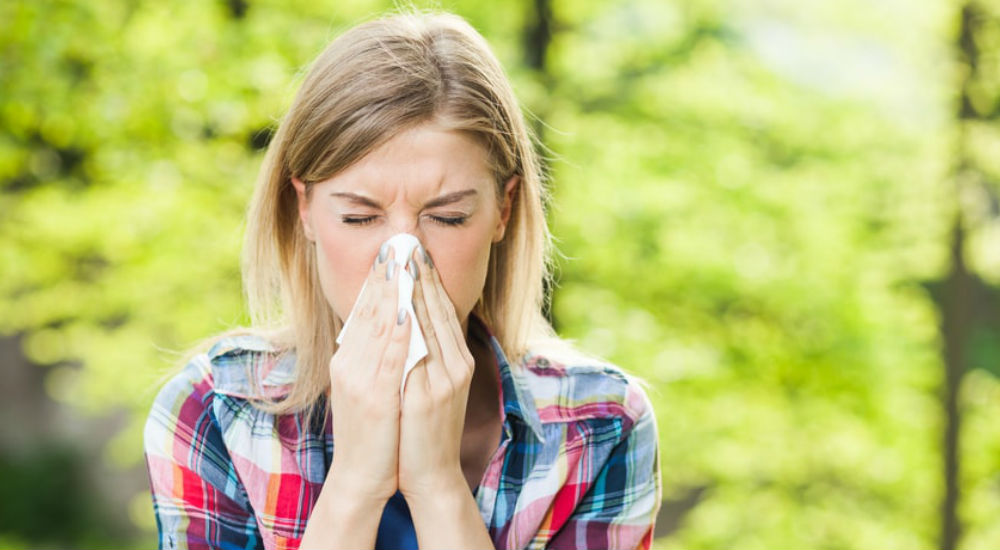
462,264
343,265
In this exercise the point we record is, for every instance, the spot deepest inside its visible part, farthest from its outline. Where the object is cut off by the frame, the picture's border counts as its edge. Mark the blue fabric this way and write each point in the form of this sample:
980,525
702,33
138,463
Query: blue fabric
396,531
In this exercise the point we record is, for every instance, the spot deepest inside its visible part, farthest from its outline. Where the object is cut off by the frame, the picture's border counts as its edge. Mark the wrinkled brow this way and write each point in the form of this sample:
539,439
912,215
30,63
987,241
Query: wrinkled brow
443,200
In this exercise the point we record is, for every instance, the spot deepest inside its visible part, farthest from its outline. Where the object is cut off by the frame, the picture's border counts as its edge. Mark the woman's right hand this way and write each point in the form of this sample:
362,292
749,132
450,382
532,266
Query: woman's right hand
365,375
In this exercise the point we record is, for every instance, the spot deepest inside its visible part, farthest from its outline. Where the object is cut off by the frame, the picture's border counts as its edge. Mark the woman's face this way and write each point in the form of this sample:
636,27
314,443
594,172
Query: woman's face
432,183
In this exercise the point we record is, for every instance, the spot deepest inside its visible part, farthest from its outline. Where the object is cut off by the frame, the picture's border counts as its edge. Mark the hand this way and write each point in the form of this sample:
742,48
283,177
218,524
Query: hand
365,374
436,393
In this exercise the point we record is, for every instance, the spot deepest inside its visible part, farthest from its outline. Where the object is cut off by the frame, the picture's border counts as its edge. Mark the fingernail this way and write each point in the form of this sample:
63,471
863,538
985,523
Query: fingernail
413,269
427,259
401,316
383,253
389,271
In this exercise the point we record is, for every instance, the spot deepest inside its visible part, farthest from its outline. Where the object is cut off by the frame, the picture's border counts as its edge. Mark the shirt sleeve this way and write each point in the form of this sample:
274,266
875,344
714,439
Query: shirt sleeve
619,509
197,498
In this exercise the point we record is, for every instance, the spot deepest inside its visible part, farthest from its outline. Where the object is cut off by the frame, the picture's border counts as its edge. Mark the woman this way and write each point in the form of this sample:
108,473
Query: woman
500,436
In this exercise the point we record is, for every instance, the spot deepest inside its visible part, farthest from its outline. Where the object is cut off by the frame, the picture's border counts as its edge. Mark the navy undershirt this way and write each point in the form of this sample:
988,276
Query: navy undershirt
395,530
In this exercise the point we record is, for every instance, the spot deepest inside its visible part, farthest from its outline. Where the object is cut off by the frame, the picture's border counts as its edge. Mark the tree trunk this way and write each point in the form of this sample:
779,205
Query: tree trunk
955,325
537,38
956,318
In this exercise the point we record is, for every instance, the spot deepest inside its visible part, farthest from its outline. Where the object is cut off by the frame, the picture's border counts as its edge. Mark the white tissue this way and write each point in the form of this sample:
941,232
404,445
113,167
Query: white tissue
402,245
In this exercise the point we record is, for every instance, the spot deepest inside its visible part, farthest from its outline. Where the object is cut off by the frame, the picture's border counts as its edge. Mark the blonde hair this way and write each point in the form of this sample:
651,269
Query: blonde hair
373,81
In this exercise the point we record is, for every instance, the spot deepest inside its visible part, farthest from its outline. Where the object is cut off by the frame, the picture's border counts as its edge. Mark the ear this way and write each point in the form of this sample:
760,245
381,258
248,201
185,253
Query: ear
303,202
509,192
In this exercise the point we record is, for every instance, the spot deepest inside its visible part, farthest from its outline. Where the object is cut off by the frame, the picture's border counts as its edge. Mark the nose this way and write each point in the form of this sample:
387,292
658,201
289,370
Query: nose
407,223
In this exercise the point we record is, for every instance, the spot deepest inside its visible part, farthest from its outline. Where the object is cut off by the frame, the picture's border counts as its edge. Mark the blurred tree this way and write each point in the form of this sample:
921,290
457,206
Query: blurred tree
44,498
970,308
768,190
750,198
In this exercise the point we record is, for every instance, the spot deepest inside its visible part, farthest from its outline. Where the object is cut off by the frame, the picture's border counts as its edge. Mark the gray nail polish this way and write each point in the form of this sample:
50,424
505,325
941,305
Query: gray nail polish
389,271
427,259
401,316
413,269
383,253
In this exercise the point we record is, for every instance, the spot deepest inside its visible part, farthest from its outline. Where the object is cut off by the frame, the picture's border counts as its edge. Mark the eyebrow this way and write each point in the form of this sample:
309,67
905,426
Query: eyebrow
439,201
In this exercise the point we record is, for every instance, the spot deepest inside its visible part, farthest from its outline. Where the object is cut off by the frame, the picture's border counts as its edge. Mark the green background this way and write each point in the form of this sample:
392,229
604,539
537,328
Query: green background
755,202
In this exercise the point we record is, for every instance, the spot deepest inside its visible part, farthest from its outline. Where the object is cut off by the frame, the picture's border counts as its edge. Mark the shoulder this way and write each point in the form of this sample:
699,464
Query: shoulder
183,398
568,386
233,365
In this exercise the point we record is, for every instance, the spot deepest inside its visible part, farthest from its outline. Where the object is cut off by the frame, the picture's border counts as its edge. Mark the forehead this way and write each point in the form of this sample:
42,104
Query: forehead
418,162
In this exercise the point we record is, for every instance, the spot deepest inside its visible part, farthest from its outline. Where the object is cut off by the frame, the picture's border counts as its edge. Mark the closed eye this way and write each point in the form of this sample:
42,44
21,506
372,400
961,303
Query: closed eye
450,220
357,220
442,220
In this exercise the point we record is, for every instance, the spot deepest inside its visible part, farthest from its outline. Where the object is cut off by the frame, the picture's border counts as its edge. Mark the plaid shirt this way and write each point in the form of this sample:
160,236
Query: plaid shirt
577,466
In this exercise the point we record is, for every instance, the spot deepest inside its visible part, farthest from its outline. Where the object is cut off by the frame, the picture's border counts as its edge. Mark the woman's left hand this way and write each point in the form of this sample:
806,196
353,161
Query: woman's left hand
436,394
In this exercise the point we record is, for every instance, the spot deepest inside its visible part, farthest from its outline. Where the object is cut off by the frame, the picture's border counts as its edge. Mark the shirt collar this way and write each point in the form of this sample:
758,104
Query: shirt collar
514,389
248,366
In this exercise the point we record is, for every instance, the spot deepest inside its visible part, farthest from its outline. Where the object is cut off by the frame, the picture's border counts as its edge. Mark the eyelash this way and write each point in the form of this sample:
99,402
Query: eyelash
450,221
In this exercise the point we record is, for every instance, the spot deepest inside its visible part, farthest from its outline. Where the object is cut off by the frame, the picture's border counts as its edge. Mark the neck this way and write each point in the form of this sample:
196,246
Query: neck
484,390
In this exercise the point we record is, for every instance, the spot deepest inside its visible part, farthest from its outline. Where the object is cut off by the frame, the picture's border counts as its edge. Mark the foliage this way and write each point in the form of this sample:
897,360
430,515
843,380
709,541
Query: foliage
750,198
46,498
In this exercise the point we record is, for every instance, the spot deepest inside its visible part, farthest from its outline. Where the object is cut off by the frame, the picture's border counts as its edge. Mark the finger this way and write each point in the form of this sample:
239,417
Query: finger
437,373
366,303
384,312
438,296
390,370
445,323
371,321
